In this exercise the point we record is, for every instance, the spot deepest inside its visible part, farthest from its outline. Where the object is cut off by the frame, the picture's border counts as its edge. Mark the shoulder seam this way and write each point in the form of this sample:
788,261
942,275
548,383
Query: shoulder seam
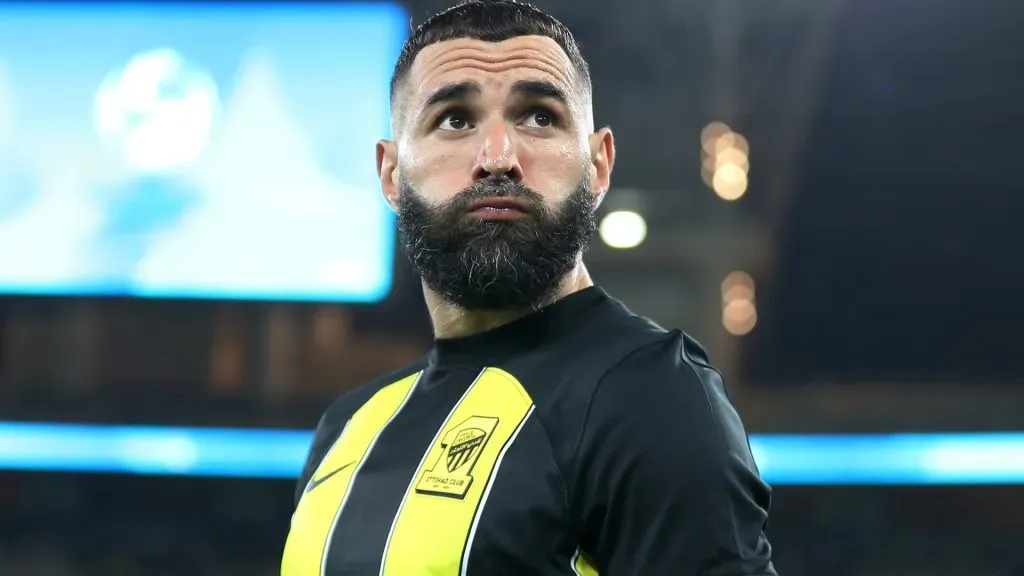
593,393
692,364
551,451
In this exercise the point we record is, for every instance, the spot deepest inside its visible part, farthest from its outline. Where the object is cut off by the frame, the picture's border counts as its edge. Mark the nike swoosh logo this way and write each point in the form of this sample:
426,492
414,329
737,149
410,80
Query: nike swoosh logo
315,483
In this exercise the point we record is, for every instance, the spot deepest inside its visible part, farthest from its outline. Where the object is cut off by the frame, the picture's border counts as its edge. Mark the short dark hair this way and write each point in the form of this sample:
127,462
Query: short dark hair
490,21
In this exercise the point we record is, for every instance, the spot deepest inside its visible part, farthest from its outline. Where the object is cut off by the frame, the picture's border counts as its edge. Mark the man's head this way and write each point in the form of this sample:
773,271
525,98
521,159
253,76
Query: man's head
495,169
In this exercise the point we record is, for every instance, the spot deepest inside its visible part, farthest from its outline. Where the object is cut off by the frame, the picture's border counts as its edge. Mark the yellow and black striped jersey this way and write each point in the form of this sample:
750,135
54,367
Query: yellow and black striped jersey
578,440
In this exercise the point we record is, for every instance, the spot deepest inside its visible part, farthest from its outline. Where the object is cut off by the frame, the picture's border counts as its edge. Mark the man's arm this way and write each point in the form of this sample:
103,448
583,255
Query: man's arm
327,431
336,417
665,481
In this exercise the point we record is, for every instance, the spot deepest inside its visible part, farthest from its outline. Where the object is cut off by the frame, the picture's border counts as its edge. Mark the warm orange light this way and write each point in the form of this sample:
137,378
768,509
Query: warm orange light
710,135
731,156
731,140
729,182
737,285
739,317
725,161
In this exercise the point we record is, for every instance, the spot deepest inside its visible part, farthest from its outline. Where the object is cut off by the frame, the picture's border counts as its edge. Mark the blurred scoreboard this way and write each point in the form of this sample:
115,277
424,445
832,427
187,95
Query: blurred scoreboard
184,150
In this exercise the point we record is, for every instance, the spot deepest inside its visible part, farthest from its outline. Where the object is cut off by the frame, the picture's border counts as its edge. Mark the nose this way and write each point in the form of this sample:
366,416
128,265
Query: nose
497,156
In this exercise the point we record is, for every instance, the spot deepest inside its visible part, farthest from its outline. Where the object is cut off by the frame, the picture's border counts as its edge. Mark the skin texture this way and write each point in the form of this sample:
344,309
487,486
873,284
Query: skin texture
496,127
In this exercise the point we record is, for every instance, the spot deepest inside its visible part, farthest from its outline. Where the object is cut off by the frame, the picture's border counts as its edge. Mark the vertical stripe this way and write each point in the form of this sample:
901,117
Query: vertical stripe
581,566
412,483
487,492
431,533
316,517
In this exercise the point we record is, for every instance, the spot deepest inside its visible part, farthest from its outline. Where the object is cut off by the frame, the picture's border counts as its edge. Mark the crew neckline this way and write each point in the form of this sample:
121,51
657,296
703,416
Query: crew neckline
521,334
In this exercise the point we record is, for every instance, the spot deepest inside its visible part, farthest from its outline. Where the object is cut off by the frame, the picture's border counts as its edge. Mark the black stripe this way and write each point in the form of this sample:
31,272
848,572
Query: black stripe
376,493
490,480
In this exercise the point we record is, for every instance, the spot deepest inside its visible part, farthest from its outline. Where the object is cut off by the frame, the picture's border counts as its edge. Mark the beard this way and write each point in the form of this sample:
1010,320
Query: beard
507,265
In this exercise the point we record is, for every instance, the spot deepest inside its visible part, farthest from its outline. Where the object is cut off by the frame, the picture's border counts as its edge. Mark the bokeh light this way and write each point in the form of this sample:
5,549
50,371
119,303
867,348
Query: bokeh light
726,161
623,229
739,308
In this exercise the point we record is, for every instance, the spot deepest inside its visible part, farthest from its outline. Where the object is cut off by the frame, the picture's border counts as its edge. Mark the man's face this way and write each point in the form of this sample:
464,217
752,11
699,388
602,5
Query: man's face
495,173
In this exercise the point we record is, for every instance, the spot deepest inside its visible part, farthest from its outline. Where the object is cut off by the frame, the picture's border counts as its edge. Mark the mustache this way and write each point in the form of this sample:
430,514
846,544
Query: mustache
497,187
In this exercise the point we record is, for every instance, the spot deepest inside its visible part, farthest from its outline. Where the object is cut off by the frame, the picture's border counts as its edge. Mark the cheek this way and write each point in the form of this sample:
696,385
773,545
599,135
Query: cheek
437,173
556,169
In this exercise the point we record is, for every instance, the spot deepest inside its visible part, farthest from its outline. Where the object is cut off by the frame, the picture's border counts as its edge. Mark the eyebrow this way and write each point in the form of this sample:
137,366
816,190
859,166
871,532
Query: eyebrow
541,89
464,90
453,93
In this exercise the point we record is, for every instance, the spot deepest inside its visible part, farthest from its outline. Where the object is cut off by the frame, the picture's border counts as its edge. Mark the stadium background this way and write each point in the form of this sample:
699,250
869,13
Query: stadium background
826,193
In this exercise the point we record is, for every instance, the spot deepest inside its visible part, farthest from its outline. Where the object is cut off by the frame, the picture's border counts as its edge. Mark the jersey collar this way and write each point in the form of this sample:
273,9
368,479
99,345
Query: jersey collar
521,335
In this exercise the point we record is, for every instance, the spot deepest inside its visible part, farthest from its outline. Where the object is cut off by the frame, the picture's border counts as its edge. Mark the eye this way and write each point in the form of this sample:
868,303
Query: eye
539,119
453,121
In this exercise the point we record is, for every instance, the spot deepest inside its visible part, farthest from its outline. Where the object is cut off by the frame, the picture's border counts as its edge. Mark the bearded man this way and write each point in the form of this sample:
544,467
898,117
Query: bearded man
550,431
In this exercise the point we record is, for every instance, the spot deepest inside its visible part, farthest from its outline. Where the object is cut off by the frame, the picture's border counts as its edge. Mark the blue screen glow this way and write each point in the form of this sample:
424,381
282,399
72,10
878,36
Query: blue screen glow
820,459
186,150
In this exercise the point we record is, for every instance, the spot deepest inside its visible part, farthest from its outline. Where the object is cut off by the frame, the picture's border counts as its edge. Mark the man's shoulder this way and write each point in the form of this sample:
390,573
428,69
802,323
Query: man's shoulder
673,349
613,346
649,370
615,333
341,410
633,347
666,389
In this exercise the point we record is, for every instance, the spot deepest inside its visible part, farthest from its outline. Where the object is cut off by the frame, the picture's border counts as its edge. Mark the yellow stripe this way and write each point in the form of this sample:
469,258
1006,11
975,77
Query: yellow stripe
316,515
582,566
431,532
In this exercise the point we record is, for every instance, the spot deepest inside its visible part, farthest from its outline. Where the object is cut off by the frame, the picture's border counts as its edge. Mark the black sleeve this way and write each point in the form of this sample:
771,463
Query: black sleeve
327,431
336,417
665,481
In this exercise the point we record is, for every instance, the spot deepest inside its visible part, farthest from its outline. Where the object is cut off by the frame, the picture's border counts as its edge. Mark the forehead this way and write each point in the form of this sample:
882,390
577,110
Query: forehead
493,64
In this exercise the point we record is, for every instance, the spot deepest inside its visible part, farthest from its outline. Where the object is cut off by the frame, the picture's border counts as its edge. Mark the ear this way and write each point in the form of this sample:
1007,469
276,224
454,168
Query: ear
602,161
387,170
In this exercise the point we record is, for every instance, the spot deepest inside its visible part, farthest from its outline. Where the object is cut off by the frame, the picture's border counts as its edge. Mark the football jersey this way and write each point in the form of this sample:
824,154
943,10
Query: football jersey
578,440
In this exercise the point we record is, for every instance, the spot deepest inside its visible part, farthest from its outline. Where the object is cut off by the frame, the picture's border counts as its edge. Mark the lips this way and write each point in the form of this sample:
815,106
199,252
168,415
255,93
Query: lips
497,204
498,209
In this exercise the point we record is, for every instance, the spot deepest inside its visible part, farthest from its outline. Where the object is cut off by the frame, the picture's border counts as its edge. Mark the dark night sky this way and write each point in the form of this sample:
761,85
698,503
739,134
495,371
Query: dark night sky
902,256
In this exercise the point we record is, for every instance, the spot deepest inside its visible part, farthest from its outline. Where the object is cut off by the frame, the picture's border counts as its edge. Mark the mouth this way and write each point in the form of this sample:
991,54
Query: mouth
498,209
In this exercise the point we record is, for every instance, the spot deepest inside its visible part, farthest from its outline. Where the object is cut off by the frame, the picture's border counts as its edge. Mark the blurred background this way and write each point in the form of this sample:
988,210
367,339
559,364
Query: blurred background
825,193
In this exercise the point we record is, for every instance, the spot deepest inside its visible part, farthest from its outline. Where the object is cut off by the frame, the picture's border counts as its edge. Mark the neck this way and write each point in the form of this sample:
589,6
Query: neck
450,321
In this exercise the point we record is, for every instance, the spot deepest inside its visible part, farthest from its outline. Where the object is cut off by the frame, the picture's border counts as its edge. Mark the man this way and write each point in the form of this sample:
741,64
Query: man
549,431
